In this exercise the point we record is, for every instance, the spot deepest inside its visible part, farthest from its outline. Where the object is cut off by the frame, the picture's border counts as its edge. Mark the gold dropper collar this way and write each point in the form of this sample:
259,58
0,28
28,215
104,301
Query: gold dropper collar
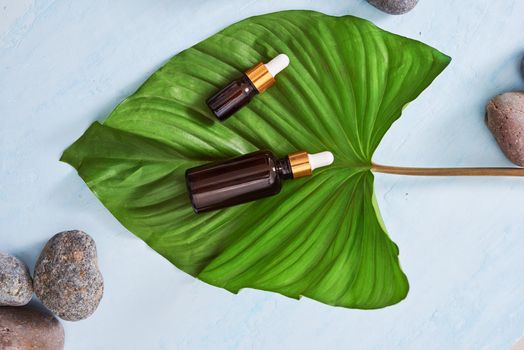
260,77
300,166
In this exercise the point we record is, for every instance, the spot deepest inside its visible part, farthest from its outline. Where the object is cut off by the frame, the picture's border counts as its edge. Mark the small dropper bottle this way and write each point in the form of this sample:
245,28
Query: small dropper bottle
248,177
237,94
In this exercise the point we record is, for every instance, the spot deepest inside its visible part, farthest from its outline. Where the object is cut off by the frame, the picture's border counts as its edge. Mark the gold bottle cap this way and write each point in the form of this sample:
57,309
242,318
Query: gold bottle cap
260,77
300,166
303,164
263,75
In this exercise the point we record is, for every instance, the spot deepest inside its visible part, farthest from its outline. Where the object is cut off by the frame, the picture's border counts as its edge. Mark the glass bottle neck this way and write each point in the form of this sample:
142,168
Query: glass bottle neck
284,168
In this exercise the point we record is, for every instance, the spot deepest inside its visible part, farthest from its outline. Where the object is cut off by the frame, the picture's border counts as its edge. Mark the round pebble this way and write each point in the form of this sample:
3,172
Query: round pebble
505,119
67,279
16,285
394,7
28,328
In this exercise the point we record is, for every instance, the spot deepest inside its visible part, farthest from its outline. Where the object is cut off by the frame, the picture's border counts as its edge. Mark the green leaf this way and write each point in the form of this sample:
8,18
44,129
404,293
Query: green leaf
322,236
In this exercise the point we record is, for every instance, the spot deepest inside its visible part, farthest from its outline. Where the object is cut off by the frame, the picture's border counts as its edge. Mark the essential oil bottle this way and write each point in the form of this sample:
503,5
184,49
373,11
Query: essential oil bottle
248,177
238,93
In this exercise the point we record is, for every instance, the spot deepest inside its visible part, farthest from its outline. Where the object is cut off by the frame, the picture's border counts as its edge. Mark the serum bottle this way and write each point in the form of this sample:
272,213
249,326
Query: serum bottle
248,177
238,93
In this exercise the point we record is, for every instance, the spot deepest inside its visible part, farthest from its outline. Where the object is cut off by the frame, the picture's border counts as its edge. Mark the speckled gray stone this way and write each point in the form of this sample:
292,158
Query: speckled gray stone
67,279
16,285
394,7
27,328
505,119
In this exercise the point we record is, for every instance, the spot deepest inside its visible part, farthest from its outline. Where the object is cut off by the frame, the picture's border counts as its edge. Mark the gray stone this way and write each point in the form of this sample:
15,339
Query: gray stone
16,285
27,328
67,279
394,7
505,119
522,67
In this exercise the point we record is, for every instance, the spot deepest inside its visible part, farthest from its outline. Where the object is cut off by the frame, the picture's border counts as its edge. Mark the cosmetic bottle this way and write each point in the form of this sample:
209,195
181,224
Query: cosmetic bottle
248,177
239,92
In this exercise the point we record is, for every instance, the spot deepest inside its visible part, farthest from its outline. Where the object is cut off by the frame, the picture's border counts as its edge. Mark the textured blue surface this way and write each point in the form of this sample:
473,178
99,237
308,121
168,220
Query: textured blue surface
64,64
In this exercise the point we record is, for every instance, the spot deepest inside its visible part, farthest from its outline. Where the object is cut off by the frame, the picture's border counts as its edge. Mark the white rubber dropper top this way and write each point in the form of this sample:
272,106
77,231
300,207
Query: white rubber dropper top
321,159
277,64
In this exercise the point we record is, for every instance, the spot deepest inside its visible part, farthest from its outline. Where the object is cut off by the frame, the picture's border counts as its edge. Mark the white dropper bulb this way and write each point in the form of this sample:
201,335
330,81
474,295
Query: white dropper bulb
277,64
321,159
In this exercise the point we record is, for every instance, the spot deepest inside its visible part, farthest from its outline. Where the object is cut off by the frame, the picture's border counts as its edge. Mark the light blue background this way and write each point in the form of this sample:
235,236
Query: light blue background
65,64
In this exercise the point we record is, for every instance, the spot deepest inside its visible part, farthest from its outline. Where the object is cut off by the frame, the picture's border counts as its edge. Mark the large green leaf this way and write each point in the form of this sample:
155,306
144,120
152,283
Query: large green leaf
322,236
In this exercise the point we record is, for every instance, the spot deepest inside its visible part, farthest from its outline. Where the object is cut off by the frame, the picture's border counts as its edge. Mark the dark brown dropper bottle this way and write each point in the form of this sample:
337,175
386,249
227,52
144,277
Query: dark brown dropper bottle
237,94
247,178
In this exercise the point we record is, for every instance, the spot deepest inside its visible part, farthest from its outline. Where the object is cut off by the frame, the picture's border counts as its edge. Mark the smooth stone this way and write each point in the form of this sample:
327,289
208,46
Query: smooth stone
505,119
27,328
394,7
16,285
67,279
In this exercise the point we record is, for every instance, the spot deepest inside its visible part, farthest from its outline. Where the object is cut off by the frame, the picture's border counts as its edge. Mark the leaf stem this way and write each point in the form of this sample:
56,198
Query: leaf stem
397,170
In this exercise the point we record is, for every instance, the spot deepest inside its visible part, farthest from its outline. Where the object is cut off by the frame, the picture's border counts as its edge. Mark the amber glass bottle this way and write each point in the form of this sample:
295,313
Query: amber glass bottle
232,98
237,94
247,178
